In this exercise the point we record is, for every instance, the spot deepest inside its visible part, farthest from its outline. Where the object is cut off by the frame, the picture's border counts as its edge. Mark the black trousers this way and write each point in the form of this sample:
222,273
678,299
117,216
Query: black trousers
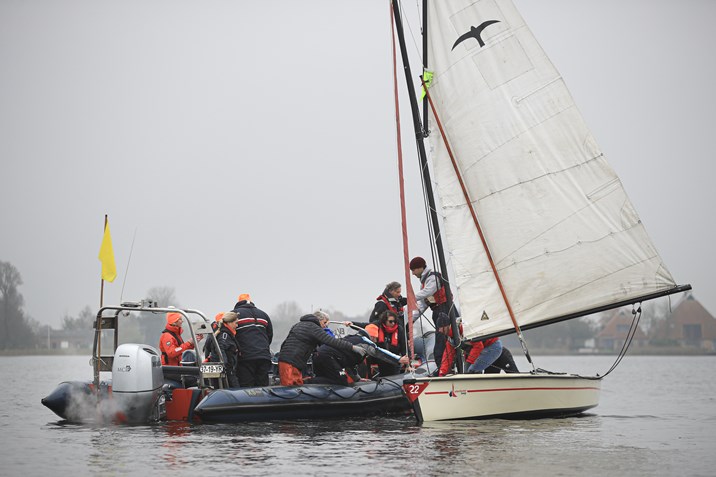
504,363
328,370
253,372
440,339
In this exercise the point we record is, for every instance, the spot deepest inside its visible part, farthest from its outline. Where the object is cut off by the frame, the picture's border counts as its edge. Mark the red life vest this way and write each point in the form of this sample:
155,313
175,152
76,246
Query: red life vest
440,296
477,348
389,304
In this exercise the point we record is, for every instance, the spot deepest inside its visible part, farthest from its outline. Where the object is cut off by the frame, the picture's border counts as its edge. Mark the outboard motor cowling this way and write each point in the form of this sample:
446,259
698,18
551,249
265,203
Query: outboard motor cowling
137,382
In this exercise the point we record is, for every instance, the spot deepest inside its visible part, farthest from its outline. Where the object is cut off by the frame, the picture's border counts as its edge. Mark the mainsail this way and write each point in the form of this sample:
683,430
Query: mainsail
561,230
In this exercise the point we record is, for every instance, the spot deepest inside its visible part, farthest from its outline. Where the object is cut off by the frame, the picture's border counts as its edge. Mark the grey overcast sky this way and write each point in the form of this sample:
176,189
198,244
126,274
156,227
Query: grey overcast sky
249,146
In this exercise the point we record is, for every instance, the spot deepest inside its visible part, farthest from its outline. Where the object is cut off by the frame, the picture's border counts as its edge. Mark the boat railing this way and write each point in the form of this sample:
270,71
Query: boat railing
209,374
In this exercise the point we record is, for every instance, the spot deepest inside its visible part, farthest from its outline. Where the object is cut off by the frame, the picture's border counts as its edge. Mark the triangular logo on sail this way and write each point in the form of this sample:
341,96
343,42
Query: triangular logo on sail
476,33
484,316
414,390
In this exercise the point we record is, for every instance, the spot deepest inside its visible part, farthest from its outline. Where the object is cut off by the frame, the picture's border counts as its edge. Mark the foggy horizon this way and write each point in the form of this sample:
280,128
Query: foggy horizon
250,148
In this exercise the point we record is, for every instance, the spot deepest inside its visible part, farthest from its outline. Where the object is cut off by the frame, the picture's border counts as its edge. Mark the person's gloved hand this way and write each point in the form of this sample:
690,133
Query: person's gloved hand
359,350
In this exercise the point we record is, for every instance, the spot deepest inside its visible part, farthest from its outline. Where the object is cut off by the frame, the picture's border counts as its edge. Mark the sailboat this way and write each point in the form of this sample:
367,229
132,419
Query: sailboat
530,223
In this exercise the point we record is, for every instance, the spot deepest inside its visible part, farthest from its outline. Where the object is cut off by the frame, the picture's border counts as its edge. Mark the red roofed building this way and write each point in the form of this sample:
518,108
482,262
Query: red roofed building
616,332
690,325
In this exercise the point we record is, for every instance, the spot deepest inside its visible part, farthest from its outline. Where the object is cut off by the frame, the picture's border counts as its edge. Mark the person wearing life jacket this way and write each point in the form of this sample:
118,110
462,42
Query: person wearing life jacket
433,295
445,365
391,336
301,341
483,354
228,346
390,299
215,326
171,343
254,334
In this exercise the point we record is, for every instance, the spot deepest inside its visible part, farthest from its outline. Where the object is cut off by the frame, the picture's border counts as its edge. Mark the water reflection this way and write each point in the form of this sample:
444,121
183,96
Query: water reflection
639,429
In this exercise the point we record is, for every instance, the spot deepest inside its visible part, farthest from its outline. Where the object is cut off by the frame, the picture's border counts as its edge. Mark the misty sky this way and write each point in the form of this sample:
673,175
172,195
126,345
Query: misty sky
249,146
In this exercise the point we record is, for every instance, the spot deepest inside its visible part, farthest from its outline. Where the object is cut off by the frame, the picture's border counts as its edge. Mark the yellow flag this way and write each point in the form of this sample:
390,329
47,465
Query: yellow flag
106,256
427,79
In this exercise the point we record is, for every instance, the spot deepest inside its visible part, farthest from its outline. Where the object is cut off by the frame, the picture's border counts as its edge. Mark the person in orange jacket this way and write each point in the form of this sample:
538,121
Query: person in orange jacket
171,343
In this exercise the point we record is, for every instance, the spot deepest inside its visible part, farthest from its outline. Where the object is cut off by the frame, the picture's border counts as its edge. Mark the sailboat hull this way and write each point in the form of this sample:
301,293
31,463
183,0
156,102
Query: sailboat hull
506,396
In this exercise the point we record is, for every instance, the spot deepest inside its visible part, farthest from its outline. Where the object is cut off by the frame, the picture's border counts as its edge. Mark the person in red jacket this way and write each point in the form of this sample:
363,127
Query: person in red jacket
171,343
483,354
448,357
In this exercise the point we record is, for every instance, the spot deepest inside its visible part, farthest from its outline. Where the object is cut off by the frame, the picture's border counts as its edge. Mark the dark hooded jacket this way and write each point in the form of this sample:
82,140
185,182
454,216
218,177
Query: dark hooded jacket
229,353
254,333
303,339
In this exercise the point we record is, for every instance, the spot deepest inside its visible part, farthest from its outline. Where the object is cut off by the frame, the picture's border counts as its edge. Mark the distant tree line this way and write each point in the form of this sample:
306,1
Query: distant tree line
19,331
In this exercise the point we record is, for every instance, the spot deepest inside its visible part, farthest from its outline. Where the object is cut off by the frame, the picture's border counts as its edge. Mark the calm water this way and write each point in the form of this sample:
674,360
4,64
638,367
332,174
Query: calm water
657,416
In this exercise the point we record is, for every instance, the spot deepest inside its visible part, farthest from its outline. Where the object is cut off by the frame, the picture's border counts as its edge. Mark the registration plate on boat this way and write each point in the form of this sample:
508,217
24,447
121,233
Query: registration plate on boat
211,370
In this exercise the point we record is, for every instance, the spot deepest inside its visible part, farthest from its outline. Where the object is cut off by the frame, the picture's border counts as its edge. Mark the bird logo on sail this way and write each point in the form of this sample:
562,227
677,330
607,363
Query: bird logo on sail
476,33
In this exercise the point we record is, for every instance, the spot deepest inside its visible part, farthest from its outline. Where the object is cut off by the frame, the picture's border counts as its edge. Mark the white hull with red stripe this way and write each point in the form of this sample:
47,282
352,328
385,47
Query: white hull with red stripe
516,396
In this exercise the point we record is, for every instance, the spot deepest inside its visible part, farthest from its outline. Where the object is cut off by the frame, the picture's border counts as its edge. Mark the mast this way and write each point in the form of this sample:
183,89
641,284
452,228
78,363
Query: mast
425,172
425,64
419,137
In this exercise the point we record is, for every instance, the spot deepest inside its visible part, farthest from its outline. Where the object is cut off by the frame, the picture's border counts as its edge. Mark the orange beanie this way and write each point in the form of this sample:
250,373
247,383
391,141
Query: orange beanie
173,318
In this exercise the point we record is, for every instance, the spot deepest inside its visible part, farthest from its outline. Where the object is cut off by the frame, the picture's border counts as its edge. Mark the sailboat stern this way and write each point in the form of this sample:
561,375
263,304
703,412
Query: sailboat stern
505,396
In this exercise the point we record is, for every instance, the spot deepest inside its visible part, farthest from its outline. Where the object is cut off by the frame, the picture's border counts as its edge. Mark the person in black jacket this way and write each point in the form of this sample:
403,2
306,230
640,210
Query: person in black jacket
254,334
334,366
328,363
301,341
229,346
390,299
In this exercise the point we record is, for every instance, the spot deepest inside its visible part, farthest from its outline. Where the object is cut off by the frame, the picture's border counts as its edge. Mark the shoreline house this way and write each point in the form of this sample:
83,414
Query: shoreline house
70,339
616,331
690,325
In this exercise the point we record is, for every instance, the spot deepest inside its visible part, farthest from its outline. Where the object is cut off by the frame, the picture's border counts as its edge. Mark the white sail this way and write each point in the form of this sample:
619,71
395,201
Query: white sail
562,232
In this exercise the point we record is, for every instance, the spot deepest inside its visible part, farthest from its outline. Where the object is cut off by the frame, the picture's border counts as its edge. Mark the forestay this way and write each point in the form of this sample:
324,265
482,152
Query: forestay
563,234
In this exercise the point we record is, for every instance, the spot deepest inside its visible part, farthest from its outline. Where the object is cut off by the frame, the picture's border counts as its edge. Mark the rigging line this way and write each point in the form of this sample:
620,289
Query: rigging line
627,341
403,215
126,270
468,202
412,35
428,209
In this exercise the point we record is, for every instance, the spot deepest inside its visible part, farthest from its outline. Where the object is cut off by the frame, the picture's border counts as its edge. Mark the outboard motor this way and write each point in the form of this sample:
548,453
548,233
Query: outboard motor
137,382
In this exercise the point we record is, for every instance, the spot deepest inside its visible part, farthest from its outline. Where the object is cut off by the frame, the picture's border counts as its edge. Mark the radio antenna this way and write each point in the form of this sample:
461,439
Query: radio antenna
126,271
